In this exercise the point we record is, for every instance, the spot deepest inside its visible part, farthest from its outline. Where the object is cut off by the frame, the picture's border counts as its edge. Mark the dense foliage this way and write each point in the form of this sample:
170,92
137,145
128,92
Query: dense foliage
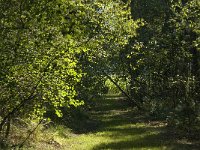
63,53
163,62
48,49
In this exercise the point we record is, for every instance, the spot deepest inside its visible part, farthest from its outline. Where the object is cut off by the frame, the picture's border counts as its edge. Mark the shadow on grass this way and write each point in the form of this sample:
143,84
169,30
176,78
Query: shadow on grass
107,113
150,142
125,128
129,129
99,118
81,121
138,138
76,119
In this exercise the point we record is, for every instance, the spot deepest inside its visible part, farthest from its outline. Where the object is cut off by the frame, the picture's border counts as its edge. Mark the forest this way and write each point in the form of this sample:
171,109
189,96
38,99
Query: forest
100,74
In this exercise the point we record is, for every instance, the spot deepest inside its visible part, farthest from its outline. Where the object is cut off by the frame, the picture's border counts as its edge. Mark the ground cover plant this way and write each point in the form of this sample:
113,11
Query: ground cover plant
64,62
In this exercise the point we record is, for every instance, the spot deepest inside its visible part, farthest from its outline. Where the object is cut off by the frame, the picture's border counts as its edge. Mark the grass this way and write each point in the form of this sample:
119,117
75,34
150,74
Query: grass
112,125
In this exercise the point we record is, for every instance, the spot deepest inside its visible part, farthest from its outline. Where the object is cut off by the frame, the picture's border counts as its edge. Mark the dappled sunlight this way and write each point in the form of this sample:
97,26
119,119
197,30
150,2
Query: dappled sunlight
100,74
125,128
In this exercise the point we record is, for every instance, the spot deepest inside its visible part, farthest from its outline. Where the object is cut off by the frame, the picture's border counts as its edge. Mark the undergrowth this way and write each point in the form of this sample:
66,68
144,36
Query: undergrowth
111,124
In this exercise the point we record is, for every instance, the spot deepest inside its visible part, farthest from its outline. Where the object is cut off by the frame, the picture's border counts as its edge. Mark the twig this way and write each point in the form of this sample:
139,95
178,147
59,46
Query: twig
22,144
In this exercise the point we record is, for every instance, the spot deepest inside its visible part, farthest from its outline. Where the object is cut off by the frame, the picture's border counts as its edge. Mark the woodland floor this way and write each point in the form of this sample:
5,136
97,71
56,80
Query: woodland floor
113,125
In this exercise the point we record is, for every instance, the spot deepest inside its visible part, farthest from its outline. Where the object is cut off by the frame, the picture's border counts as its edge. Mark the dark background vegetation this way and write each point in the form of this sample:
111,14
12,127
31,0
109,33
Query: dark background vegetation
59,58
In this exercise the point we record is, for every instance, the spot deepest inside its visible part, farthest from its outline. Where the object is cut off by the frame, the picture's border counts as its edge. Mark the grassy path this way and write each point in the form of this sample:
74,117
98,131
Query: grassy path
116,126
